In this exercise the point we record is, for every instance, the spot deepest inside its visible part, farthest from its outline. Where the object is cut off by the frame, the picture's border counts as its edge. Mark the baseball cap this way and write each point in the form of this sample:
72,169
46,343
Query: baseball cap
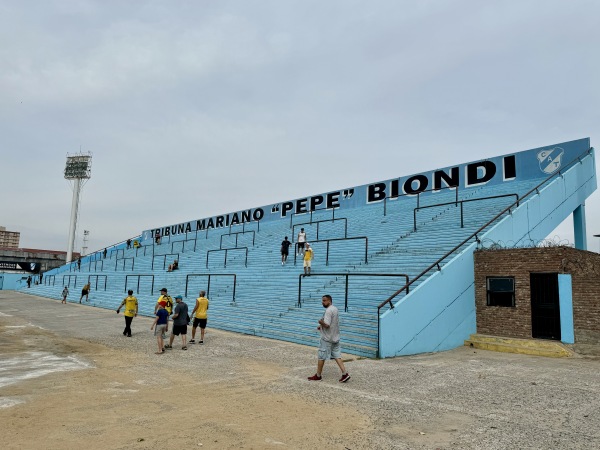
163,290
178,297
162,303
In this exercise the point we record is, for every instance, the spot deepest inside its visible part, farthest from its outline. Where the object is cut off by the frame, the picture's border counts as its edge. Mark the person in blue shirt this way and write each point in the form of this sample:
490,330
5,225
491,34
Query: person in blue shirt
160,325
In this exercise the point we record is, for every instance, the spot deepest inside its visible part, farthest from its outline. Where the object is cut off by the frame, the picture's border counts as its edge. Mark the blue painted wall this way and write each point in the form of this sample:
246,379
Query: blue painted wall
9,280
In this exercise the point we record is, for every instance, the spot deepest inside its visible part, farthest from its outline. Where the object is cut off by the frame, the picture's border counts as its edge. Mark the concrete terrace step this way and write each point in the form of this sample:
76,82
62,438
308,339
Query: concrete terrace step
536,347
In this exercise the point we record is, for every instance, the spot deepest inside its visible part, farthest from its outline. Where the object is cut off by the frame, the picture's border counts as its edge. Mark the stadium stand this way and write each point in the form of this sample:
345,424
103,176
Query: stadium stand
400,269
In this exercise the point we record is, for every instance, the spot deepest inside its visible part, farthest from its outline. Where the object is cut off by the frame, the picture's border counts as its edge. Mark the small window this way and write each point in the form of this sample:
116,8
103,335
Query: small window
501,291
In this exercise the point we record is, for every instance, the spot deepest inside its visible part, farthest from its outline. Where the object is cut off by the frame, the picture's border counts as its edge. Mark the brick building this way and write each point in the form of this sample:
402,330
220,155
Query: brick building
9,239
548,293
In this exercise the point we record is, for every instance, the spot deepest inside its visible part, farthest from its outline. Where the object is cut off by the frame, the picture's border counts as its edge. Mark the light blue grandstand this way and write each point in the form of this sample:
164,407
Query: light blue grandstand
396,256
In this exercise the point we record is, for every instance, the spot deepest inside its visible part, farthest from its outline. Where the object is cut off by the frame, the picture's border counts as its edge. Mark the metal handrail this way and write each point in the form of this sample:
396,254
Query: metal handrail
418,208
209,275
96,265
47,282
474,235
138,283
418,194
319,222
69,283
237,233
116,250
98,276
257,222
347,275
183,241
124,259
226,250
311,214
340,239
144,247
164,259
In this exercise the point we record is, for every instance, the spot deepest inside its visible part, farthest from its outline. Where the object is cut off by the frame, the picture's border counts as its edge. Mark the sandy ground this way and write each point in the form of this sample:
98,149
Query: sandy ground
239,391
130,400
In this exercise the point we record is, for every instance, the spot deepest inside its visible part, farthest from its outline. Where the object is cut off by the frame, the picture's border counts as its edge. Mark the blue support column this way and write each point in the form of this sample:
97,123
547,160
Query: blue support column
579,227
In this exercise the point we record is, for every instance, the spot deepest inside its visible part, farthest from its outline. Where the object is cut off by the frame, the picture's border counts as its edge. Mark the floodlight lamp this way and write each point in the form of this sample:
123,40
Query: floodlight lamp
78,167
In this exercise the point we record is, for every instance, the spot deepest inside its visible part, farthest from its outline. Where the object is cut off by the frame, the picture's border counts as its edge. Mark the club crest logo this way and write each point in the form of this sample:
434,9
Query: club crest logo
32,266
550,160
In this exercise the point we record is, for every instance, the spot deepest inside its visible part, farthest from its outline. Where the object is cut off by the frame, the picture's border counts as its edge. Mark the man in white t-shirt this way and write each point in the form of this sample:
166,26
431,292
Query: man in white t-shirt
301,241
329,347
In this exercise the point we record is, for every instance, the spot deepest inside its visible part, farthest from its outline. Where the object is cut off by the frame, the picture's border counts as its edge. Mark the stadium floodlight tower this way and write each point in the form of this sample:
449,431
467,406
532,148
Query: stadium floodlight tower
78,170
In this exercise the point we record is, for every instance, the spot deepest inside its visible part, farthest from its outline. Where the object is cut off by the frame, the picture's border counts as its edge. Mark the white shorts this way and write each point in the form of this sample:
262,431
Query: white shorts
307,263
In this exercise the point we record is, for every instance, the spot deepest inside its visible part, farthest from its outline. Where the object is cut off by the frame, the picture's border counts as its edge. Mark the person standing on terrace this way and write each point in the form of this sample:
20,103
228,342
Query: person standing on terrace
301,241
308,257
285,250
157,237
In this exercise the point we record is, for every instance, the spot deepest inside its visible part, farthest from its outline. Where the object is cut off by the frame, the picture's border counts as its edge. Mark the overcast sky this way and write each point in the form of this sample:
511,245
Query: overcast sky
196,108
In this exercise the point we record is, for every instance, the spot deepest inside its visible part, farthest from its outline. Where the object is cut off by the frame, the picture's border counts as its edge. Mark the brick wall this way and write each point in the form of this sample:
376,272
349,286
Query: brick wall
583,266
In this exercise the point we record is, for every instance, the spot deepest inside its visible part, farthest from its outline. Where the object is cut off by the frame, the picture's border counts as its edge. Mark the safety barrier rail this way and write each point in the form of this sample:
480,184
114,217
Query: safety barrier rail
347,275
226,250
418,195
461,206
318,222
117,251
69,282
95,264
237,233
339,239
311,214
139,277
164,259
47,280
97,278
125,259
183,241
210,275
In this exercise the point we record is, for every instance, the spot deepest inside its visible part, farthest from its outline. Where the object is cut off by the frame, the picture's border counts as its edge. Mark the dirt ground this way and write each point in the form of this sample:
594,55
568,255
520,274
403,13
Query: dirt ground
130,400
240,391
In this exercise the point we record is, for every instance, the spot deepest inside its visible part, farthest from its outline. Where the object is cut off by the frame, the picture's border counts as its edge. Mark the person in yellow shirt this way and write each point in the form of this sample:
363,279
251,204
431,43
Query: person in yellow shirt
308,257
85,292
131,311
167,299
200,314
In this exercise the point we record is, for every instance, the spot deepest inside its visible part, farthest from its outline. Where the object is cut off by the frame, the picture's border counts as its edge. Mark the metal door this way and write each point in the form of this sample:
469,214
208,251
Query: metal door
545,309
